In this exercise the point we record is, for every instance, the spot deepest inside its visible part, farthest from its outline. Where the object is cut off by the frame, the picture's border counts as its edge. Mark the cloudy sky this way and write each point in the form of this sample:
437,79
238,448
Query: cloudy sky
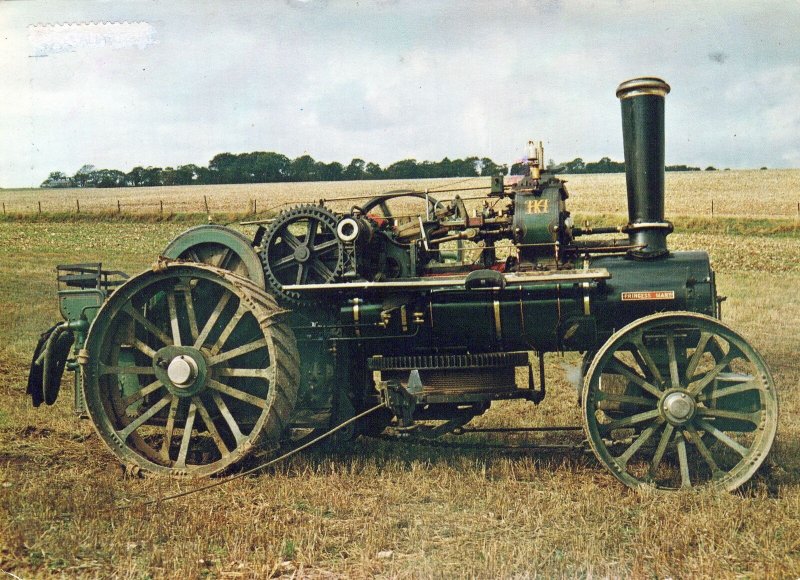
385,80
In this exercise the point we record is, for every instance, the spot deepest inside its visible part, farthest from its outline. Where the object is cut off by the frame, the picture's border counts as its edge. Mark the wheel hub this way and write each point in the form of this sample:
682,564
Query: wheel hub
302,254
678,407
182,369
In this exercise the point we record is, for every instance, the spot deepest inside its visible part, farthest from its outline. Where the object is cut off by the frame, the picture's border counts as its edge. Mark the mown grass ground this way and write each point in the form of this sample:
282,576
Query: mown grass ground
383,508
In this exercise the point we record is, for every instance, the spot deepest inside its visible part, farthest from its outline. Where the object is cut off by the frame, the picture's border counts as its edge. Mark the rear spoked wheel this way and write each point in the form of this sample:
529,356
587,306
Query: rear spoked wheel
679,400
188,369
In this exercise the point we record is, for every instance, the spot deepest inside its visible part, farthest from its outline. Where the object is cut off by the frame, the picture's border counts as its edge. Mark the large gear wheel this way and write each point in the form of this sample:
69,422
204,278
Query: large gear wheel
301,247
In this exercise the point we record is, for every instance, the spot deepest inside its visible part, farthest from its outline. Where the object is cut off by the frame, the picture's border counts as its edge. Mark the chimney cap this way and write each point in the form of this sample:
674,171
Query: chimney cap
642,86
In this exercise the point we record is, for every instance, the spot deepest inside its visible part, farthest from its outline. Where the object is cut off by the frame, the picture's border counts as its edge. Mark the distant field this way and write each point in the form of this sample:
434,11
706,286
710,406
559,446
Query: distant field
733,193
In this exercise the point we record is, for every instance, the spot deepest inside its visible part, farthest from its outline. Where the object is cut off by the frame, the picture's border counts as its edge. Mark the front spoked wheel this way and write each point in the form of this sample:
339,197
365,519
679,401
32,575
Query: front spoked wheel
679,400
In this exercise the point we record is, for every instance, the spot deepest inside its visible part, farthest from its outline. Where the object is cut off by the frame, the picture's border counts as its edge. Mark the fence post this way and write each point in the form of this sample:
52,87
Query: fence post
161,206
78,205
255,206
119,207
40,207
205,202
4,207
712,208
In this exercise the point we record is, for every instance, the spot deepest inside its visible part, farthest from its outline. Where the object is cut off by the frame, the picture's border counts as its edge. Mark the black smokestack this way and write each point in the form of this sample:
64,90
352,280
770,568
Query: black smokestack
642,103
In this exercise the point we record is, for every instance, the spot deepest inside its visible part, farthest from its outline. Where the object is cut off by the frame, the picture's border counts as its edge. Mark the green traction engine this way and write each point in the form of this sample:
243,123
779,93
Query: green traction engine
434,307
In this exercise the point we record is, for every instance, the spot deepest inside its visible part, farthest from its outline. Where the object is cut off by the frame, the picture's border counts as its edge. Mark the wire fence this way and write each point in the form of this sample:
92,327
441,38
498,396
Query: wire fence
132,207
254,206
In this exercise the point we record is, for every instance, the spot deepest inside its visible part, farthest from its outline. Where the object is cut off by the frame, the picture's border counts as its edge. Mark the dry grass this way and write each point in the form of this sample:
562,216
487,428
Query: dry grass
744,193
381,508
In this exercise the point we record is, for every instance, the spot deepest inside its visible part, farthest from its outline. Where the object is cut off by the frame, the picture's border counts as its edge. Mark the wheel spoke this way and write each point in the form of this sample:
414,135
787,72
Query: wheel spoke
290,239
683,460
302,273
283,262
674,376
224,259
238,351
631,420
173,318
212,320
321,269
212,429
149,326
146,416
169,429
620,367
325,246
704,452
698,354
236,372
311,232
735,445
141,393
229,328
643,353
643,438
237,394
662,447
187,435
143,348
630,399
695,388
228,416
126,370
732,390
726,414
192,256
190,312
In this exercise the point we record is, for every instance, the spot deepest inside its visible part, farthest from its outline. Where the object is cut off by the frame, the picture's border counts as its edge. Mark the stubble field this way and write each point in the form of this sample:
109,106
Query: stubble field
740,193
394,510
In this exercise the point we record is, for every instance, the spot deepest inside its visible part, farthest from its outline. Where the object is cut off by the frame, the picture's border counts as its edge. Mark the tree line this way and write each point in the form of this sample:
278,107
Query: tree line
270,167
605,165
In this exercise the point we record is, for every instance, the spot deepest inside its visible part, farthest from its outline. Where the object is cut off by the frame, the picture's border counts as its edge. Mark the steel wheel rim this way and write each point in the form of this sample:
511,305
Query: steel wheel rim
206,427
671,425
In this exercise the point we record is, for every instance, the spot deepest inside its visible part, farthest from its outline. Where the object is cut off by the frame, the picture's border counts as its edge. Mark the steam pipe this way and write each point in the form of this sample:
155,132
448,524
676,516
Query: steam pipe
642,102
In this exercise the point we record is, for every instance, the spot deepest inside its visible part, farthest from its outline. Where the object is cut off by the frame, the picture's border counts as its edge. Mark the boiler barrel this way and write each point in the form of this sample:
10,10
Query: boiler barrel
570,316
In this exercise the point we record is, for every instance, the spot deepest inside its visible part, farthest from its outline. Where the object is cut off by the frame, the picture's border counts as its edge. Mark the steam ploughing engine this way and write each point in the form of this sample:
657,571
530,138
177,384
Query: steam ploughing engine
230,344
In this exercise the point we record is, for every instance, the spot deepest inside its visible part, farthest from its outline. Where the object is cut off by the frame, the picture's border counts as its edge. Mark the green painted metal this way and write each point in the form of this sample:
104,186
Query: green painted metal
679,400
82,304
539,215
